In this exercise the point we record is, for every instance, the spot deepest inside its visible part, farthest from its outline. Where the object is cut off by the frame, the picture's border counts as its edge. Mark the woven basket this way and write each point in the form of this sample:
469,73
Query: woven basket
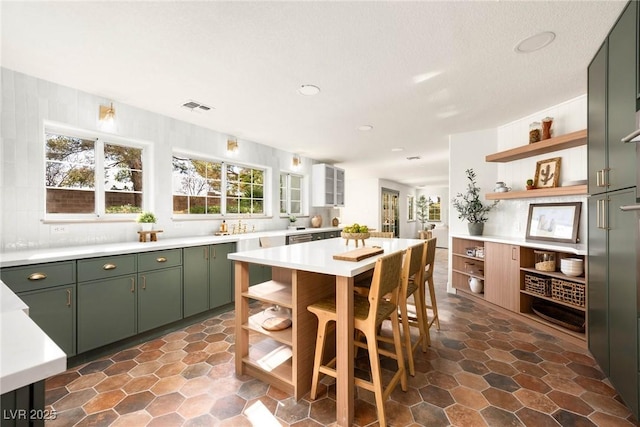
569,292
537,285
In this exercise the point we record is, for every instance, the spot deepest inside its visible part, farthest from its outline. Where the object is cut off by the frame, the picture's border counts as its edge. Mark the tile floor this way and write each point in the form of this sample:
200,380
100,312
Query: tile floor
484,368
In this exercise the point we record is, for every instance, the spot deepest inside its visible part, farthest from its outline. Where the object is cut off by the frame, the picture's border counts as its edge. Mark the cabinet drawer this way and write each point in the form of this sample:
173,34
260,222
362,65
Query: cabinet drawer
105,267
160,259
39,276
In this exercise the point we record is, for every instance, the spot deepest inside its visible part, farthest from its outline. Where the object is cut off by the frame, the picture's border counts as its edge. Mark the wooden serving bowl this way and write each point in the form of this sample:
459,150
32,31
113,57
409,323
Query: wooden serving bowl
355,236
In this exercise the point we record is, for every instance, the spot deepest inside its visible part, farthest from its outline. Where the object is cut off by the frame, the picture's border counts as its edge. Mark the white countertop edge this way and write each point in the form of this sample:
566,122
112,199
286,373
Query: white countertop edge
10,301
577,249
28,354
37,256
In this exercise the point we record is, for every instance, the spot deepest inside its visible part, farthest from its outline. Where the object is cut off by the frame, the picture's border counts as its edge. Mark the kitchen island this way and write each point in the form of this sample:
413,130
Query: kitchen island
302,274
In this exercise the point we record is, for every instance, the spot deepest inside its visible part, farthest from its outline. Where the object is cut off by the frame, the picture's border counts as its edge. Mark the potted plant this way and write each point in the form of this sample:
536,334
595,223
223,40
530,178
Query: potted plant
422,211
146,220
292,222
470,207
530,184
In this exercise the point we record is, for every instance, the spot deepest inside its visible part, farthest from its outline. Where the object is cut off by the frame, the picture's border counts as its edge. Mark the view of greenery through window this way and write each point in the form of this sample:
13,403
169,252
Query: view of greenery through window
434,208
75,185
197,187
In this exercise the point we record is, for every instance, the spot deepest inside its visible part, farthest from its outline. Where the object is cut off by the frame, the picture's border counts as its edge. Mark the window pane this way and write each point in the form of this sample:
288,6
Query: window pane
69,174
295,207
200,182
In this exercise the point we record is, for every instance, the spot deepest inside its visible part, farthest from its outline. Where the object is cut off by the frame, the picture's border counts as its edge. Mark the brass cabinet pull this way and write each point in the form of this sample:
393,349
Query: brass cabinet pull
133,285
161,259
109,267
514,253
68,297
37,276
214,253
598,213
206,252
144,282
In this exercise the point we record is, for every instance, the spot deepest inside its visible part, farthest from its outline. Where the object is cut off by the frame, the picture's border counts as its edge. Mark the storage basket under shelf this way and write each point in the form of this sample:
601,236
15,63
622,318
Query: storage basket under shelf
537,285
569,292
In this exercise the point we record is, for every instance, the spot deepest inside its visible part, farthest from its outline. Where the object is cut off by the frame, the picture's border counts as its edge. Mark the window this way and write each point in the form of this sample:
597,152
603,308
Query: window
434,208
290,194
91,176
411,202
216,187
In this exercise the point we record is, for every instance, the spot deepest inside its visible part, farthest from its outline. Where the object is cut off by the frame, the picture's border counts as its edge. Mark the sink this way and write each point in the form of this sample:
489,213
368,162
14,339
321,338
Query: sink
248,244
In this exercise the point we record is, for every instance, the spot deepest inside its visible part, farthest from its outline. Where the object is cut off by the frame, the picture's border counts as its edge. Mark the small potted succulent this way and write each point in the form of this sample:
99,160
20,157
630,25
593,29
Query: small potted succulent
292,222
530,184
146,220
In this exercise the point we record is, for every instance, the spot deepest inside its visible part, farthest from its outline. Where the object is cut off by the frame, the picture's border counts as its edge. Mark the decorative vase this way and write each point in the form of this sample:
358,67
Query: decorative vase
475,228
316,221
476,285
146,226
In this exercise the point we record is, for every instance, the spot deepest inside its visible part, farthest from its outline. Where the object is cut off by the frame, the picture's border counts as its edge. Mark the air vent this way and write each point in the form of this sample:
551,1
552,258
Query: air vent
194,106
413,158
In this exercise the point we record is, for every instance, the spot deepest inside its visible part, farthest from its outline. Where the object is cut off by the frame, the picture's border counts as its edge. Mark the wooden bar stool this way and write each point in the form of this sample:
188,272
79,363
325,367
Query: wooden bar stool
428,280
369,313
412,277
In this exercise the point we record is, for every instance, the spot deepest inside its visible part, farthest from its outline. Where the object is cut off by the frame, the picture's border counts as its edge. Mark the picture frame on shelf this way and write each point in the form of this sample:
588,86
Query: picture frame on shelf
547,173
556,222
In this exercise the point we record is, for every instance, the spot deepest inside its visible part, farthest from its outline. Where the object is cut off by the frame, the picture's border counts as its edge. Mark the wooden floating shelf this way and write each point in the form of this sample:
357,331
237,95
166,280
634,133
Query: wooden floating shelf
570,140
573,190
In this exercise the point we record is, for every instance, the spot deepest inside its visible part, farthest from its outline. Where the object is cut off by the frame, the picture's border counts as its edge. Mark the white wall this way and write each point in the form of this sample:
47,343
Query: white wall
569,116
27,102
442,227
364,204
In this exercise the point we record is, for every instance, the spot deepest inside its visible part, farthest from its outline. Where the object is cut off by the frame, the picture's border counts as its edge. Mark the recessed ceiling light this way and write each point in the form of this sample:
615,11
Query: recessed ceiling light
308,90
365,128
535,42
397,149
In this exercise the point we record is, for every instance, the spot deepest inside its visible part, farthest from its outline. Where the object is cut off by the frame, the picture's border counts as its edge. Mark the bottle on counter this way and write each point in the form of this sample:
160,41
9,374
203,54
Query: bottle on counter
223,226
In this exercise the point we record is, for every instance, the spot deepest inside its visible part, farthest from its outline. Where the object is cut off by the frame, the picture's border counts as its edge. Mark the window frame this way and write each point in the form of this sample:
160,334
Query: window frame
100,139
224,162
411,208
431,202
303,194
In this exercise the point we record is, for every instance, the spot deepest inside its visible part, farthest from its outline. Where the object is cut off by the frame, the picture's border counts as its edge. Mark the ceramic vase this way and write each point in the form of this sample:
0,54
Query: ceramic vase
146,226
476,285
475,228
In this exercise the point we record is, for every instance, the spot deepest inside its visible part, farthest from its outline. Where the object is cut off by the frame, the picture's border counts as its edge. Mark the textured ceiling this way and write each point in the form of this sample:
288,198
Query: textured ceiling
370,59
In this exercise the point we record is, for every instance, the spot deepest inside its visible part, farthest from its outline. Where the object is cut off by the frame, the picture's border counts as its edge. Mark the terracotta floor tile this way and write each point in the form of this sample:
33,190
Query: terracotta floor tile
196,405
480,363
470,398
165,404
104,401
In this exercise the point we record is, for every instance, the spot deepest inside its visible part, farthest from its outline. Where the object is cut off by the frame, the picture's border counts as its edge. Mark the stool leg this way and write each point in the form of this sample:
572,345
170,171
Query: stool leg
317,360
421,313
407,337
434,305
376,375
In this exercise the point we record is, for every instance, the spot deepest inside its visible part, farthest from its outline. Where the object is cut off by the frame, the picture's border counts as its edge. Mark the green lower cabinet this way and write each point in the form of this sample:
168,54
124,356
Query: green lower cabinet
159,298
196,280
259,273
54,311
221,275
106,311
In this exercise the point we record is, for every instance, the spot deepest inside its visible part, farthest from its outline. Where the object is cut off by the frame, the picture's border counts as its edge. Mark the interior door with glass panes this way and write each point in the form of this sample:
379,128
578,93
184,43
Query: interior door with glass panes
390,212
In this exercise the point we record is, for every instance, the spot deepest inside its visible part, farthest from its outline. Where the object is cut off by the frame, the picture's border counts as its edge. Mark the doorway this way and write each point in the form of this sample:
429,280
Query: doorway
390,211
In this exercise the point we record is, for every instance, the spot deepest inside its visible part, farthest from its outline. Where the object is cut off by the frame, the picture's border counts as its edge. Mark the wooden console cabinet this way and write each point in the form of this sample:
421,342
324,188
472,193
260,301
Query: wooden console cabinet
504,268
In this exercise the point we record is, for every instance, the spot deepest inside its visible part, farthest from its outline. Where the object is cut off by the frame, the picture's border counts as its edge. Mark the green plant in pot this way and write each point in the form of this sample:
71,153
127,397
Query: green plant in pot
470,207
146,220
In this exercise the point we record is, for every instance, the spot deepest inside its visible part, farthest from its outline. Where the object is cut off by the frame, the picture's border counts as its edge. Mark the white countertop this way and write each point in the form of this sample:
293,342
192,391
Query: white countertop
27,354
317,256
577,249
36,256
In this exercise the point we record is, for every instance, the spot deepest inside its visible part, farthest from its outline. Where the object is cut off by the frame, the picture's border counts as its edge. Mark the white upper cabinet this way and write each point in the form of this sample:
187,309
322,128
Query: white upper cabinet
328,185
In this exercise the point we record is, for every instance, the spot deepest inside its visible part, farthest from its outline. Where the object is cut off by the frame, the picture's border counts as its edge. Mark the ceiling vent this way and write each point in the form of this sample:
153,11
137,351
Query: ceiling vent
196,106
413,158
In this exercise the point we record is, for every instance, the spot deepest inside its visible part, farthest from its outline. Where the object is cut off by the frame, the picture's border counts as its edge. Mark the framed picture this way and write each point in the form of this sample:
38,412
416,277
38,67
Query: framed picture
557,222
547,173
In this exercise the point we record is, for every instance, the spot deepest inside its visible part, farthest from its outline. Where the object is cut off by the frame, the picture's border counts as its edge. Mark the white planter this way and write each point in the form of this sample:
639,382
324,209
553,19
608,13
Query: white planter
146,226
